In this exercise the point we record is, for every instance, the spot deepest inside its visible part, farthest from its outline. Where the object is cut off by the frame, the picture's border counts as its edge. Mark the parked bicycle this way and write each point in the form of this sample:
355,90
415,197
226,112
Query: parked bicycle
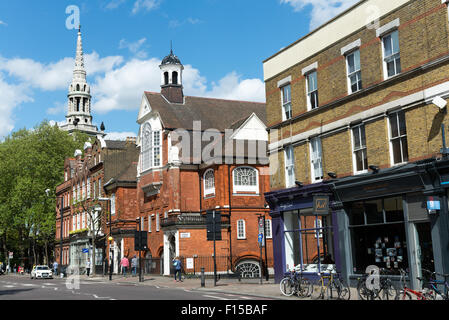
331,286
405,293
295,283
434,285
385,291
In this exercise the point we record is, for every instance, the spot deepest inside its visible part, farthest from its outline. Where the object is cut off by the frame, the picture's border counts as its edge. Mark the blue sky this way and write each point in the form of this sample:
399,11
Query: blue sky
221,43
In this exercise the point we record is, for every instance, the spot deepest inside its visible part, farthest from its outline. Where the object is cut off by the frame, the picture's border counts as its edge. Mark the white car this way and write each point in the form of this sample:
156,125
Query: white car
41,272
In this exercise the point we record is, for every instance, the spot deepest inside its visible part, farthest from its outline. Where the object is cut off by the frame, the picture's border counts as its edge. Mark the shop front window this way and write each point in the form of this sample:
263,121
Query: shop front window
308,239
378,234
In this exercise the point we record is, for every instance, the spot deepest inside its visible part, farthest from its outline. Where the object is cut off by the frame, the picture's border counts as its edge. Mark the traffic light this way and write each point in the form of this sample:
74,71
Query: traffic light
211,217
140,242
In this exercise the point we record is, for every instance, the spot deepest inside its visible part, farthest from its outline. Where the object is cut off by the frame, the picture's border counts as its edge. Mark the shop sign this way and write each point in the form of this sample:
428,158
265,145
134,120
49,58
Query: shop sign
433,204
320,205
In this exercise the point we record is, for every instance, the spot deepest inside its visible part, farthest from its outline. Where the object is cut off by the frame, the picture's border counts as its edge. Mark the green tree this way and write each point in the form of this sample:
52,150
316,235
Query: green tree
32,161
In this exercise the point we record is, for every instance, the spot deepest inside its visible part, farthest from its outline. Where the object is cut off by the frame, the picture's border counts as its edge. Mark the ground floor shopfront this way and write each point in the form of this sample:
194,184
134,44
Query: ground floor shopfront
380,218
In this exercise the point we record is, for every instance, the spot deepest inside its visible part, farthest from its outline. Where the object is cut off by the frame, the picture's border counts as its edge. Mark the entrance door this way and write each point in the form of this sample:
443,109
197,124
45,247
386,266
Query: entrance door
423,249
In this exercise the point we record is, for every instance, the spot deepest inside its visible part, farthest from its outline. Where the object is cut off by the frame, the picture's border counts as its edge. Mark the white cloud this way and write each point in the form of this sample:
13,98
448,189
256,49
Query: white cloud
12,97
176,23
121,136
2,23
145,5
134,47
122,88
114,4
55,76
59,107
322,10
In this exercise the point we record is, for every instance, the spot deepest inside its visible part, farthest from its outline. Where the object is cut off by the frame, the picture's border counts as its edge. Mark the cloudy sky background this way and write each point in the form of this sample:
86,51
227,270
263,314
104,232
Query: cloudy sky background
221,43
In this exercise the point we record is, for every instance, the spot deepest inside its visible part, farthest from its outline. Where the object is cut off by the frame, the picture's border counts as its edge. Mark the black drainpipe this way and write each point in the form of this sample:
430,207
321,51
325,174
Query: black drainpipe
230,220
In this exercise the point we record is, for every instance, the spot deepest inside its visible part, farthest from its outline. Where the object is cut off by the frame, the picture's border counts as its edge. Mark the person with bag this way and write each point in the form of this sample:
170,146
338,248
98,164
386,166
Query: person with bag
125,264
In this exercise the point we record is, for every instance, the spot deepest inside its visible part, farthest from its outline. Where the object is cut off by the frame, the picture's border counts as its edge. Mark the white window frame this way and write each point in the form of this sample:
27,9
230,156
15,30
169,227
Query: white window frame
151,153
287,104
241,229
356,149
208,190
78,222
149,223
245,188
113,204
83,221
314,159
395,56
357,72
400,137
158,222
310,92
268,229
289,161
88,188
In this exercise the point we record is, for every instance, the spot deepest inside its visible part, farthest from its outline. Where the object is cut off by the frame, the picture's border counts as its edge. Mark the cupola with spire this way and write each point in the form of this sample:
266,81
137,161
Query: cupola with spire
171,78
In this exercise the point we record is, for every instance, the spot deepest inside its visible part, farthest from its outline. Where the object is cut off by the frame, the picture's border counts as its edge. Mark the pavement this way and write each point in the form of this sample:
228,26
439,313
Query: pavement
251,287
267,289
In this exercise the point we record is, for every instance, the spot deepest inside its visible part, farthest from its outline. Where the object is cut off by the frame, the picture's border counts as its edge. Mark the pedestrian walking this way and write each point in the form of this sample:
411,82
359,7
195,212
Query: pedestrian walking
88,266
178,266
134,265
125,264
55,268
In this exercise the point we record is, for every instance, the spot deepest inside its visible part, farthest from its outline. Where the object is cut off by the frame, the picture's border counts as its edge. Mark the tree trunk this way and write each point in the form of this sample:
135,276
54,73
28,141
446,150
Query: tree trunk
92,265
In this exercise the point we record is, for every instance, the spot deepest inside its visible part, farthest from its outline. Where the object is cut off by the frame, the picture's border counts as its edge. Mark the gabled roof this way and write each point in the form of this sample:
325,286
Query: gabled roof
213,113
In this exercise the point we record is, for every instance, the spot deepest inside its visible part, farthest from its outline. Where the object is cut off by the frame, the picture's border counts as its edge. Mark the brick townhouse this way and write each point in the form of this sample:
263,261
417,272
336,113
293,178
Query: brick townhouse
176,186
358,116
84,193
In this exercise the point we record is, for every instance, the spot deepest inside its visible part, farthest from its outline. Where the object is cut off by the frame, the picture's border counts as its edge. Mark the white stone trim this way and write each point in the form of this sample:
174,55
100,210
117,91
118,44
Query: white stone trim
391,26
310,68
284,81
351,47
425,96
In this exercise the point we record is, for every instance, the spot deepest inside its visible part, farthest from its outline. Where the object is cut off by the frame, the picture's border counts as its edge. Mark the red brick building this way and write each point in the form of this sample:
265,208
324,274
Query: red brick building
103,171
199,154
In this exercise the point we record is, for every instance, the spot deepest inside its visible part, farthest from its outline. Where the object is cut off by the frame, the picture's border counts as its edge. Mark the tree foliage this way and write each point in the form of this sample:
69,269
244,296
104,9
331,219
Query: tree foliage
32,161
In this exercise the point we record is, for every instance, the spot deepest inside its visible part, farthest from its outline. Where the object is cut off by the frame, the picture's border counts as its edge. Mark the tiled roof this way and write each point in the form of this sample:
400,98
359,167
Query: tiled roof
213,113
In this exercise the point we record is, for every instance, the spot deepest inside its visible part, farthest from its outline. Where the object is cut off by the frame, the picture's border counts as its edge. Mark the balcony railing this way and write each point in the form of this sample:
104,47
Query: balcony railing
190,220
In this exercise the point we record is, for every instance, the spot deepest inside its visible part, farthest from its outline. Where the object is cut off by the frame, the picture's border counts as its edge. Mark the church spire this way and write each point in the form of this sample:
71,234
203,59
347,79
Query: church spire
79,99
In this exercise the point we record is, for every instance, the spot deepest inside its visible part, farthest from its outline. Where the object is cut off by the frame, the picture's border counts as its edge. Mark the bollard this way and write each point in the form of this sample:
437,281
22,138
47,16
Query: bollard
203,279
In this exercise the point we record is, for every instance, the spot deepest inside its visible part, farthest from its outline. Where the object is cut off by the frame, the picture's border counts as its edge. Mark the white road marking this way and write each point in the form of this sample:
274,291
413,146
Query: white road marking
9,286
215,297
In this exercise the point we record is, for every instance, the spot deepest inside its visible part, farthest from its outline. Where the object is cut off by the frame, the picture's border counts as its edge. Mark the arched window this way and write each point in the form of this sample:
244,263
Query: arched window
245,180
175,77
77,87
209,182
165,78
146,147
241,229
151,148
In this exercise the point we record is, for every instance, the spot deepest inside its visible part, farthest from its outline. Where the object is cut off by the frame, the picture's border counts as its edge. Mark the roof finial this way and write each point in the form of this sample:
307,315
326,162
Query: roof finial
79,28
171,46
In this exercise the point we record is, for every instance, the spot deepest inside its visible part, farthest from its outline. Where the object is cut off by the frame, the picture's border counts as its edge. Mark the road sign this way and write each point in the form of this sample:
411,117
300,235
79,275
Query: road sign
260,239
85,250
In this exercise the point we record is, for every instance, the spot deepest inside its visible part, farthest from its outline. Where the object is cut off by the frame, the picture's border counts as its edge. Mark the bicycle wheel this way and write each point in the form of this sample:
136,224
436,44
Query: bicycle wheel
343,290
287,287
363,292
317,290
304,289
403,295
388,291
331,291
